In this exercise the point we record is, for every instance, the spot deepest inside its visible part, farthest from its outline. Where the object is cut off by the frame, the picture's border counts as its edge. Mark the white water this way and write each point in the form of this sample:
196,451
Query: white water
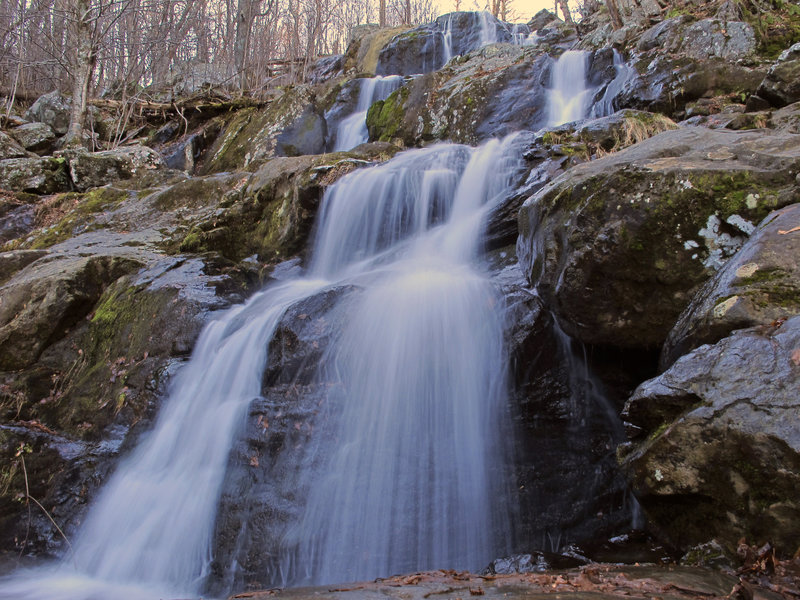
414,477
413,480
352,130
569,93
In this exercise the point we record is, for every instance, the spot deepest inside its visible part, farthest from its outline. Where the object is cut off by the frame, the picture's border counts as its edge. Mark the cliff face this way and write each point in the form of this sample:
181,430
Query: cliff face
664,222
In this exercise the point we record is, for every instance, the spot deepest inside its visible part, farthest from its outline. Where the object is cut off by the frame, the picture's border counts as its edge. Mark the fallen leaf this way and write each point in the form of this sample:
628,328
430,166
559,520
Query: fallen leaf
782,232
254,461
796,357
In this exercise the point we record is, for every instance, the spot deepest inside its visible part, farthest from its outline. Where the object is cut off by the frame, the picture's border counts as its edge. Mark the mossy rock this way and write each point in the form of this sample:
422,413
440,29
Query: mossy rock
619,246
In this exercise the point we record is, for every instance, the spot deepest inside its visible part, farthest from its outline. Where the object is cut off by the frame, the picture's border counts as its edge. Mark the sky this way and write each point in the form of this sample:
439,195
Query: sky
523,9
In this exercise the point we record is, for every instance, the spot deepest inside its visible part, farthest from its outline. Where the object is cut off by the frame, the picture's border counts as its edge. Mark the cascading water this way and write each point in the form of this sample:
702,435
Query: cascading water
412,480
352,130
569,93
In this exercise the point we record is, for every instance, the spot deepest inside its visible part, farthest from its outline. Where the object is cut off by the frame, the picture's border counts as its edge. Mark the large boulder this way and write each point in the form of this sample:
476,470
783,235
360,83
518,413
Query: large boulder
37,137
290,125
618,246
34,175
781,86
53,109
722,459
96,169
758,286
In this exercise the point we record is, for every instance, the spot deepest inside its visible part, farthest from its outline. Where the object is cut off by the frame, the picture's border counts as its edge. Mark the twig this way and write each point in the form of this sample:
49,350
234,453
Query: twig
28,496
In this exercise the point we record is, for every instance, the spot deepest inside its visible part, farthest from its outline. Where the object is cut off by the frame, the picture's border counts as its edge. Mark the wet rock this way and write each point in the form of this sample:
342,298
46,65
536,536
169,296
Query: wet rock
36,137
305,135
781,86
537,562
568,485
667,83
34,175
617,247
10,148
53,109
304,334
722,459
96,169
16,217
758,286
365,45
41,304
422,49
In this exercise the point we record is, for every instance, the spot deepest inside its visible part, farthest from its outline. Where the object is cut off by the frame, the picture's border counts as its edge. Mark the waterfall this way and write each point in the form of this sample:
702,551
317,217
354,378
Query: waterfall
413,478
352,130
569,93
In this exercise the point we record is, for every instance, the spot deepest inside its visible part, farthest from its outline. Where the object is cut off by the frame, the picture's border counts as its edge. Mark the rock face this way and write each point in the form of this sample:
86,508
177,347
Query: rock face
758,286
427,47
487,94
781,86
617,247
723,456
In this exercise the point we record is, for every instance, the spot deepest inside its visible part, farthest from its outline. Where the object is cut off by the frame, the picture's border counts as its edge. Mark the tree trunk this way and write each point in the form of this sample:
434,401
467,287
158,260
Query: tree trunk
407,18
84,61
565,10
382,13
613,11
245,15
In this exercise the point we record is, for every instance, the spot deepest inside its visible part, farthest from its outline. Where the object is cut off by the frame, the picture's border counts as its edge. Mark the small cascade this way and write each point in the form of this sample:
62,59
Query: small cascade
569,92
487,29
151,526
447,39
521,35
352,130
625,74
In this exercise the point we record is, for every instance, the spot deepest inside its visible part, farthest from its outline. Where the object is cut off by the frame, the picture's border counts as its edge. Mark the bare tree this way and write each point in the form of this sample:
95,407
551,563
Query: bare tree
613,11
